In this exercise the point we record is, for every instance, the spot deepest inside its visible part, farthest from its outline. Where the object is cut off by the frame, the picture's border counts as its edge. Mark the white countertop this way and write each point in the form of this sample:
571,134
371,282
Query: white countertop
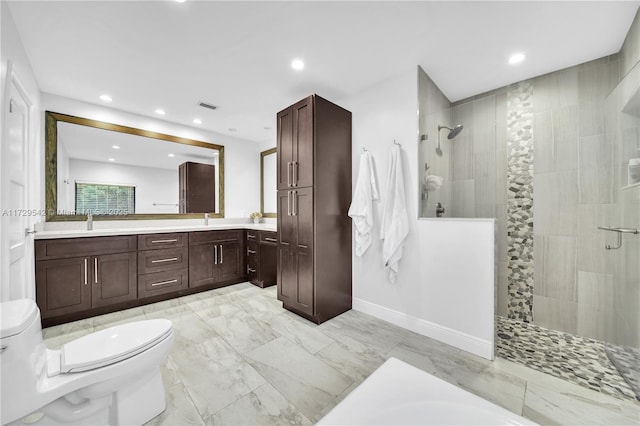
102,232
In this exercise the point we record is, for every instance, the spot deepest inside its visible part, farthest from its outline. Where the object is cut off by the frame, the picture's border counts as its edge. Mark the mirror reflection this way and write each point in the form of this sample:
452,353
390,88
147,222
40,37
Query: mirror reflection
268,189
105,169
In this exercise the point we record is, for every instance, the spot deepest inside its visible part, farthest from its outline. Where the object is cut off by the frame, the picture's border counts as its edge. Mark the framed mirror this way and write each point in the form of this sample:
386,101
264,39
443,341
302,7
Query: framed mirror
119,172
268,188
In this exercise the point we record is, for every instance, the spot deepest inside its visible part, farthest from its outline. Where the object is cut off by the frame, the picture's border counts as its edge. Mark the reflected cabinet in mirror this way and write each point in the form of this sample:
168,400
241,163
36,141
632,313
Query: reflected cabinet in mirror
120,172
268,189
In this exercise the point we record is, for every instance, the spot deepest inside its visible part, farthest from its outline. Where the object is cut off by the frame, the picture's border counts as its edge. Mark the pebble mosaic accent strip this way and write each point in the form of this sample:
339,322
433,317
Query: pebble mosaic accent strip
520,200
579,360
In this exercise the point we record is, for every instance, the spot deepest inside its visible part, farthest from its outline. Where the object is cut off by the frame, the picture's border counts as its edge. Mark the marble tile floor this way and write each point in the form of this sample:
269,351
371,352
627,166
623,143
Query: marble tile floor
240,359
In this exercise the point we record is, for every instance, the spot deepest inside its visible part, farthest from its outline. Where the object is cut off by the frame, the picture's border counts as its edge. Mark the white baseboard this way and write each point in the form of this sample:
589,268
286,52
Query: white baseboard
464,341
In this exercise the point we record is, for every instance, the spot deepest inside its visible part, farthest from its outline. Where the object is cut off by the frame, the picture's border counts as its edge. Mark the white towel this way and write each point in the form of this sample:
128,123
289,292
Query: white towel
361,209
395,221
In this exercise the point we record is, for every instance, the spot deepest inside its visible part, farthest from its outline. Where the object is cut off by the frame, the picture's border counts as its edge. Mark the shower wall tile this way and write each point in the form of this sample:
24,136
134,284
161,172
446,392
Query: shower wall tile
463,198
591,117
556,90
501,121
592,257
555,314
520,284
555,150
596,170
630,52
596,290
484,168
555,267
556,203
501,232
596,79
503,287
501,176
462,146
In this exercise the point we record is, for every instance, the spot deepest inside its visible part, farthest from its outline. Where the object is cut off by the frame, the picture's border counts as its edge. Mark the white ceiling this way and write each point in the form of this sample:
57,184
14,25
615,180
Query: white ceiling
237,55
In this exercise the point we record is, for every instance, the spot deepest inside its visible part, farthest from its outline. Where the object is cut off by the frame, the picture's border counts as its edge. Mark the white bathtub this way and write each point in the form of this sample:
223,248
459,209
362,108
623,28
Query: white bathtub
400,394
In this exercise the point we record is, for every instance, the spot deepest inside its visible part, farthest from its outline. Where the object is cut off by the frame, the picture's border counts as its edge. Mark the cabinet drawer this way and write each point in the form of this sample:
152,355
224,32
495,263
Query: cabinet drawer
162,282
78,247
161,241
204,237
162,260
268,237
252,235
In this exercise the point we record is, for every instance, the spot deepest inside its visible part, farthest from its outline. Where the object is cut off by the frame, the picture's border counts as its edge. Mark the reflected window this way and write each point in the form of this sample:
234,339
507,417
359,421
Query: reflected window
101,199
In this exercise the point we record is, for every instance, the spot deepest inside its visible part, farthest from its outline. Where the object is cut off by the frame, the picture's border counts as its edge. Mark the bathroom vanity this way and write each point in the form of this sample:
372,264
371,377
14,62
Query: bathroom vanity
79,275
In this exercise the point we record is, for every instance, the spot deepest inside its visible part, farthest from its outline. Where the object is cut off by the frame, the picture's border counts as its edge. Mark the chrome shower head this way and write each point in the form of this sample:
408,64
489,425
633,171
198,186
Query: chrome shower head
452,132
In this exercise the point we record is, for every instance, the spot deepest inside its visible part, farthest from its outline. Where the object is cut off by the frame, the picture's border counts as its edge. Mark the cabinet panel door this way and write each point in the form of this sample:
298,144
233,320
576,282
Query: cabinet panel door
304,281
302,173
63,286
230,261
268,262
285,147
303,217
286,275
114,279
286,221
202,265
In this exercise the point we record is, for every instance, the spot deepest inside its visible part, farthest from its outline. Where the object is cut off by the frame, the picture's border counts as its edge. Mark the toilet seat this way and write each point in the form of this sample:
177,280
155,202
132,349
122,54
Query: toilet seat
112,345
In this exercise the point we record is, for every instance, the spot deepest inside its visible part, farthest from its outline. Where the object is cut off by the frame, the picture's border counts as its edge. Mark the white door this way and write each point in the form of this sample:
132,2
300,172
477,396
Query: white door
16,215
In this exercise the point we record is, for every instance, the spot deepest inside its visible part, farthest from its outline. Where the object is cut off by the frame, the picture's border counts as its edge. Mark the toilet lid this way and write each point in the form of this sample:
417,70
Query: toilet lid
111,345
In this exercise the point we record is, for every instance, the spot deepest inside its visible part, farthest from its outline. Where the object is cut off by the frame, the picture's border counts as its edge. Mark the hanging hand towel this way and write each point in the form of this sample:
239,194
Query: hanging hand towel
361,209
395,221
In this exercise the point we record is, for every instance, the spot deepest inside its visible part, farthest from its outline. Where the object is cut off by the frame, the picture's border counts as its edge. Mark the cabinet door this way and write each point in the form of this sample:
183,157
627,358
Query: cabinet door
303,250
114,279
230,261
202,265
286,274
302,170
63,286
285,147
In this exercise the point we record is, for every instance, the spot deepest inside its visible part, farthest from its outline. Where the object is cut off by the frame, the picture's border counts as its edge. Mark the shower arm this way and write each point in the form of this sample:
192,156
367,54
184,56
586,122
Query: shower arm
620,231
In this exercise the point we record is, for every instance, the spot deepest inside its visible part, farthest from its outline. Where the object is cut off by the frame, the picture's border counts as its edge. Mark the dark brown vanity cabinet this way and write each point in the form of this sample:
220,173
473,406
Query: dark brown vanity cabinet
197,183
164,266
216,258
314,193
76,274
262,257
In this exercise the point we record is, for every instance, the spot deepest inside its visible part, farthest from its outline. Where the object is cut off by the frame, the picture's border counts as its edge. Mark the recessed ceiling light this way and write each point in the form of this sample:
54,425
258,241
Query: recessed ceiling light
181,1
160,111
297,64
112,159
171,155
197,121
106,98
516,58
115,147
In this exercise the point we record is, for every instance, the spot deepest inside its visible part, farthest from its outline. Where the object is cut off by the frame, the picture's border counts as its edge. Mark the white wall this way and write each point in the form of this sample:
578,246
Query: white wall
153,185
12,51
241,157
445,286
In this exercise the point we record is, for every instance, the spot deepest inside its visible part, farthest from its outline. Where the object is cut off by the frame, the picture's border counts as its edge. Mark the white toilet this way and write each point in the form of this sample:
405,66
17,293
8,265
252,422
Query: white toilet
110,377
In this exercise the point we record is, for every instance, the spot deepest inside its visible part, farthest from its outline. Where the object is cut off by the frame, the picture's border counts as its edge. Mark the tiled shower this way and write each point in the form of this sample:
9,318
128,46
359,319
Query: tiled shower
547,157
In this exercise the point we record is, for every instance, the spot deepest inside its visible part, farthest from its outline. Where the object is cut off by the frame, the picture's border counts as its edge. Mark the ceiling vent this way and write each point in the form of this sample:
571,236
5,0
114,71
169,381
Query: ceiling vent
206,105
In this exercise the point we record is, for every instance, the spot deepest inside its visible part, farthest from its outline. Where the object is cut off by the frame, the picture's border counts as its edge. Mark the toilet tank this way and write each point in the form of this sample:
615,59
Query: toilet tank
23,358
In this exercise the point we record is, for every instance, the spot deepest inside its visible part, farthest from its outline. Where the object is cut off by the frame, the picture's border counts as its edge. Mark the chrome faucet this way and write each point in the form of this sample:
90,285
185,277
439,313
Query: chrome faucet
89,221
206,219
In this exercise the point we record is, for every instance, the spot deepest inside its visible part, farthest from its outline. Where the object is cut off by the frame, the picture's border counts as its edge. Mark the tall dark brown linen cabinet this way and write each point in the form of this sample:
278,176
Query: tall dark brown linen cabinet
197,183
314,193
